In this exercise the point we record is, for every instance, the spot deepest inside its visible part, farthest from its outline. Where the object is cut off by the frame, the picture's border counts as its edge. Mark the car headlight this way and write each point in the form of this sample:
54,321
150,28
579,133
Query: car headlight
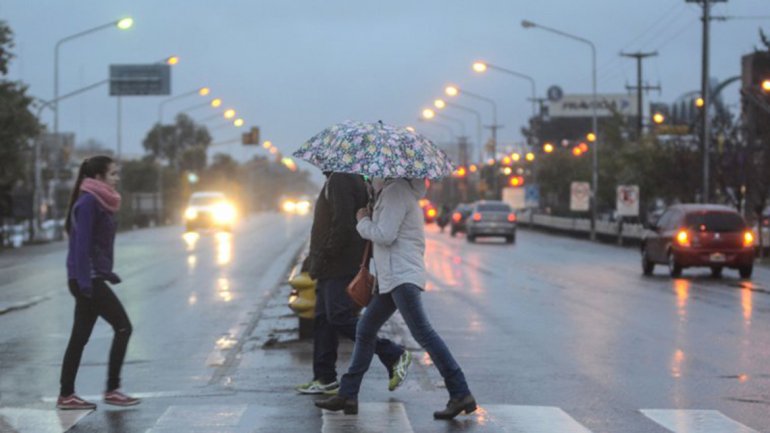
224,213
190,213
302,207
289,206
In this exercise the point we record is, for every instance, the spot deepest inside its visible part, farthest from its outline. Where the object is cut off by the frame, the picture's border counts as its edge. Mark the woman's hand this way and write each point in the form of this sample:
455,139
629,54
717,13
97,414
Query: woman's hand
362,213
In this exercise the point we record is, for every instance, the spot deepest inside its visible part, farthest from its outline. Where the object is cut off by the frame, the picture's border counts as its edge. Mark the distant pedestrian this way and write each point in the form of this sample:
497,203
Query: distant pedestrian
397,231
336,250
90,258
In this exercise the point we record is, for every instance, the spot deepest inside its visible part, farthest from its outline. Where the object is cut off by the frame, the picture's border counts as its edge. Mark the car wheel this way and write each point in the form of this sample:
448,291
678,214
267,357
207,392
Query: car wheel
716,271
674,268
648,266
746,271
471,238
453,233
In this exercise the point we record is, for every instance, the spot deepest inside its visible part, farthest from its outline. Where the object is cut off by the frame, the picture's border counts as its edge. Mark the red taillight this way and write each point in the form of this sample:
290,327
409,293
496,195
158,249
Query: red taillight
511,217
456,217
748,239
477,217
683,238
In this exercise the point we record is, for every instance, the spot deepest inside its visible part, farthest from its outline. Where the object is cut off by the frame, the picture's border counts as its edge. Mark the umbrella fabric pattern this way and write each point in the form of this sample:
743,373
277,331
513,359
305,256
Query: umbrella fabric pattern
375,150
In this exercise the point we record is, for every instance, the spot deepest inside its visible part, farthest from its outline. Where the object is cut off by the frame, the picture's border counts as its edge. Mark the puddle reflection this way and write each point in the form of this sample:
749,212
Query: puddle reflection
676,364
191,239
223,289
224,248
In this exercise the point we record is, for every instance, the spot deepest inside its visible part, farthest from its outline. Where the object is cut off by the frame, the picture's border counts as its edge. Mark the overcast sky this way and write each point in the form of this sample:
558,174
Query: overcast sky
293,67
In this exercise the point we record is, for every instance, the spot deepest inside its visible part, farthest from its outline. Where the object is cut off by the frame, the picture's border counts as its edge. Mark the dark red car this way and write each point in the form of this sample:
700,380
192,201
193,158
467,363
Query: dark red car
691,235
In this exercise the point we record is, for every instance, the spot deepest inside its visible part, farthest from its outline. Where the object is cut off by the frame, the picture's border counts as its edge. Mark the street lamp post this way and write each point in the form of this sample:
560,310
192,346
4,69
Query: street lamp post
440,104
444,126
595,169
483,66
123,24
454,91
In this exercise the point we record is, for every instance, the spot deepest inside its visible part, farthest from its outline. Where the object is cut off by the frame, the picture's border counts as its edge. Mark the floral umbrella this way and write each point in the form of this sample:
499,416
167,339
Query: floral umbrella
375,150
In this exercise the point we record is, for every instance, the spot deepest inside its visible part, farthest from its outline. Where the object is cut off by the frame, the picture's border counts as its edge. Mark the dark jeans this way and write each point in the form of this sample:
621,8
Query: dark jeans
335,315
407,299
102,303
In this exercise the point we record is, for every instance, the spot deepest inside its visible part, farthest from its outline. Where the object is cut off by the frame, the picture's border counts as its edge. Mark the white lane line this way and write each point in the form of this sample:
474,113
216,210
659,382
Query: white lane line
528,419
199,417
371,418
96,398
696,421
39,421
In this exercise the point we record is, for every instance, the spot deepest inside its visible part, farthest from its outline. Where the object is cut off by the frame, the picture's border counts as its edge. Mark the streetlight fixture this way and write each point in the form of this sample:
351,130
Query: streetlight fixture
438,123
595,169
428,114
482,67
238,122
172,60
122,24
229,113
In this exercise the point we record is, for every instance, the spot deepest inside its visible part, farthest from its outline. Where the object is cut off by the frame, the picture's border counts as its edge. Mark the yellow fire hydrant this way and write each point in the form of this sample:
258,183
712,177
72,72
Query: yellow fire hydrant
302,302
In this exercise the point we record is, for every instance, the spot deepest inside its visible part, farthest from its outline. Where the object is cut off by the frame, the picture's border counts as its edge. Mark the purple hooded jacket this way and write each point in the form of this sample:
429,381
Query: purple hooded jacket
91,243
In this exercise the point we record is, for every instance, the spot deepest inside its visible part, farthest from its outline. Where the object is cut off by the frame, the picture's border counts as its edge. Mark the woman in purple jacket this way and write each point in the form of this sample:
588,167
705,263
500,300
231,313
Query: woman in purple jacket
91,227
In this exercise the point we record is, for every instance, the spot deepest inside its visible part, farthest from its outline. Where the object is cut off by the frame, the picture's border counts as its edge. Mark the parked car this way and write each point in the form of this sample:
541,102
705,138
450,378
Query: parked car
209,210
692,235
459,215
491,218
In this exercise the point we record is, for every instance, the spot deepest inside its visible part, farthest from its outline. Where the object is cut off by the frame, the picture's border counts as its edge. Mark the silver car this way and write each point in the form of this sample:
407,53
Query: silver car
491,218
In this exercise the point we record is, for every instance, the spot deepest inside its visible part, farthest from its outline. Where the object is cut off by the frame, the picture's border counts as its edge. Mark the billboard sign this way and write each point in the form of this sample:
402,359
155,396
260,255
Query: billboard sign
137,80
580,197
628,200
582,105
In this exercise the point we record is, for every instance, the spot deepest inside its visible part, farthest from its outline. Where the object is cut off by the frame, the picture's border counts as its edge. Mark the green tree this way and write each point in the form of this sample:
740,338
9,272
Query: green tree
18,125
182,142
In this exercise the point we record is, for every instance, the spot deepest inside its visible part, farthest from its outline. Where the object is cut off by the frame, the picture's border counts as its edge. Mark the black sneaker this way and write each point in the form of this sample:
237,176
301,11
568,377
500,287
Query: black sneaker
339,403
466,404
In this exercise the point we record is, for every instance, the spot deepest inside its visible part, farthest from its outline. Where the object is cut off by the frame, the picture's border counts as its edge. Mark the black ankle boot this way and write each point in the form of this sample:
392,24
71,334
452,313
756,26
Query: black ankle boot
466,404
338,403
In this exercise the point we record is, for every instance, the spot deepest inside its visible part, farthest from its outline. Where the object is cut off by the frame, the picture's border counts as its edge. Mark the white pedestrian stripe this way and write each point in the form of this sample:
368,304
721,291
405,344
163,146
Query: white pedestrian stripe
528,419
371,418
695,421
14,420
194,418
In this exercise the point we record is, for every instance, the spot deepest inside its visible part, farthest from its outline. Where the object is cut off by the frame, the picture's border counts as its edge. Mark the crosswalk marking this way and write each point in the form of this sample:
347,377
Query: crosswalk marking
390,417
13,420
529,419
695,421
199,417
371,418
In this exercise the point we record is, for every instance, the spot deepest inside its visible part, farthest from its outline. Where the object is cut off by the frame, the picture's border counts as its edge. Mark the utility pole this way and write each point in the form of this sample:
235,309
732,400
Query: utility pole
639,56
706,123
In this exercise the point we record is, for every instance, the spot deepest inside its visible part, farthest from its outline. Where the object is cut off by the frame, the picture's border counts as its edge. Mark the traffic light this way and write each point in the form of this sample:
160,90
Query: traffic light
756,93
251,138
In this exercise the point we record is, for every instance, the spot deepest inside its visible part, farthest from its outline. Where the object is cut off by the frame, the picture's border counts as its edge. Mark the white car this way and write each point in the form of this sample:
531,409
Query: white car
209,209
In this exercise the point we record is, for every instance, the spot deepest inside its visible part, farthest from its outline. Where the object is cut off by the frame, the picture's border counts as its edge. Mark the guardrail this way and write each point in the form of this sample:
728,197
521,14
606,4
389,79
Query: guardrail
606,230
618,231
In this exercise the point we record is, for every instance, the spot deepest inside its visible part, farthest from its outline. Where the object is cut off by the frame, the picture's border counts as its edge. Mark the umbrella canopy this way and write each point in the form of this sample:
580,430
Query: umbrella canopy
375,150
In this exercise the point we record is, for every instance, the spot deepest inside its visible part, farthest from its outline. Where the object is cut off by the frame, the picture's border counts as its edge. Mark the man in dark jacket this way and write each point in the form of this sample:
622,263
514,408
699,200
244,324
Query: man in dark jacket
336,250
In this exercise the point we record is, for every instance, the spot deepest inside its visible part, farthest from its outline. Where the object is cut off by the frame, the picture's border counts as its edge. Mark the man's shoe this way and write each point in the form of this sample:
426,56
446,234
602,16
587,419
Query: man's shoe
339,403
117,398
316,387
466,404
73,402
399,370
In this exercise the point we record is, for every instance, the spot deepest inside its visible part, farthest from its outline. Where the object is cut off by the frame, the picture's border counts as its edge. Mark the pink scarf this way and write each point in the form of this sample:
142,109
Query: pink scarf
105,194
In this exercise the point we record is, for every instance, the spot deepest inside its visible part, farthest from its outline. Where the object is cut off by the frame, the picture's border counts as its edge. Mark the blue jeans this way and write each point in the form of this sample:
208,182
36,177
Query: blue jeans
407,299
336,315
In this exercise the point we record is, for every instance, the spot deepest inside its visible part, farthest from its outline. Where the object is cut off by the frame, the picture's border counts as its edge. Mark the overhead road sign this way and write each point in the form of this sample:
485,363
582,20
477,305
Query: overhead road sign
139,80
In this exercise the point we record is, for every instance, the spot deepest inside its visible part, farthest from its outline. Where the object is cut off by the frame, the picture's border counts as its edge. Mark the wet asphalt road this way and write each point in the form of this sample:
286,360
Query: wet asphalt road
554,334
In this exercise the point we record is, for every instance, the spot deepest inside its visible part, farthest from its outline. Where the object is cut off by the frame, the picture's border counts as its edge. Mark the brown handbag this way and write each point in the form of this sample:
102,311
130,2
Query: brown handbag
361,288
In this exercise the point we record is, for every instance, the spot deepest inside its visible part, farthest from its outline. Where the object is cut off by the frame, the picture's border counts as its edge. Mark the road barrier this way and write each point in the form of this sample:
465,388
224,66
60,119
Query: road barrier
617,231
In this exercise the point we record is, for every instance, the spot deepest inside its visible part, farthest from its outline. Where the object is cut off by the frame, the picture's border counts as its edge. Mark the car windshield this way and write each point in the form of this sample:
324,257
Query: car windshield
494,207
715,222
205,200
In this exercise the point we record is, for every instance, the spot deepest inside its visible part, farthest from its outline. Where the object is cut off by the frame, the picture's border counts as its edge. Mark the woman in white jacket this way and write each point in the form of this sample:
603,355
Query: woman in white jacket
397,232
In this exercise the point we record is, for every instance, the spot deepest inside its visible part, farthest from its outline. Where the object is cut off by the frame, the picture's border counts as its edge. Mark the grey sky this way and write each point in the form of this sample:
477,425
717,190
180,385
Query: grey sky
295,66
